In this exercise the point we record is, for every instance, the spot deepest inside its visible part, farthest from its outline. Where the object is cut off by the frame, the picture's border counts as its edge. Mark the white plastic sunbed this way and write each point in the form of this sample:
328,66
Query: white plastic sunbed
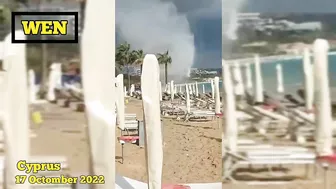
268,157
304,127
265,119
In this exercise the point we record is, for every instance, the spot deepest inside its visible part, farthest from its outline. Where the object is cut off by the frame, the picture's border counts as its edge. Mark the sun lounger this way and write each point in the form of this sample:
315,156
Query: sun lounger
70,96
180,96
303,127
264,120
294,99
137,94
278,123
131,125
173,111
200,102
269,158
268,148
200,115
270,114
130,116
280,103
246,142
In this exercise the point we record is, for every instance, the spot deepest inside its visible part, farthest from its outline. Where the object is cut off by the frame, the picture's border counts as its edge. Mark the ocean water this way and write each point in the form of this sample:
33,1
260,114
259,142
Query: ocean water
293,77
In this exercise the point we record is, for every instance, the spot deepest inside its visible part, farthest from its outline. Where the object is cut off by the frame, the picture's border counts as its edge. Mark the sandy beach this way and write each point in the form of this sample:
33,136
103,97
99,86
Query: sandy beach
192,151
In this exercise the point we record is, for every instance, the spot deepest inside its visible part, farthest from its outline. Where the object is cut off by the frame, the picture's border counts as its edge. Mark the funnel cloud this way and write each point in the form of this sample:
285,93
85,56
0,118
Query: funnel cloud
159,25
156,27
230,10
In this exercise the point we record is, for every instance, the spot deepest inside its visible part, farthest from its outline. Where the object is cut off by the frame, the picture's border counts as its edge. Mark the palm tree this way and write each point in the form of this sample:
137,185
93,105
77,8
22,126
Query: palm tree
165,59
123,53
138,56
124,58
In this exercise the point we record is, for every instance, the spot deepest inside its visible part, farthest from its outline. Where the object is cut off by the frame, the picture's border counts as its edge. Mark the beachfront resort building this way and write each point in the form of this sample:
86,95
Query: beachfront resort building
260,23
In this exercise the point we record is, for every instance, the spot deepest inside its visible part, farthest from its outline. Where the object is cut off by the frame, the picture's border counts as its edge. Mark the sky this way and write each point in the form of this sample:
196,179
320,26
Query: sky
199,20
205,22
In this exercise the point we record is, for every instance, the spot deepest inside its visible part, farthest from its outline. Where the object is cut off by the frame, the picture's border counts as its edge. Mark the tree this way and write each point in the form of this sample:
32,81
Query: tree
165,59
124,58
5,18
138,56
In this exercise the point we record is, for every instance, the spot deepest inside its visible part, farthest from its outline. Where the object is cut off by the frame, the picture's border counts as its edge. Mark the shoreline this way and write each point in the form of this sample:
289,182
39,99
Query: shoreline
271,59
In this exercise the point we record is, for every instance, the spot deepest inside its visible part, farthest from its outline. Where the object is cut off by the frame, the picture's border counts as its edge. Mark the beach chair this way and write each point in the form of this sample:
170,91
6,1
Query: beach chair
69,96
265,120
304,126
172,110
165,96
271,158
278,122
294,99
200,103
301,127
130,133
77,104
131,125
200,115
280,103
63,97
180,95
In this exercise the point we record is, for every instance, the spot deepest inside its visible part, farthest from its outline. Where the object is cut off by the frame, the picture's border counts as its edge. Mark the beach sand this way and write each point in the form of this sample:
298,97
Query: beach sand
192,151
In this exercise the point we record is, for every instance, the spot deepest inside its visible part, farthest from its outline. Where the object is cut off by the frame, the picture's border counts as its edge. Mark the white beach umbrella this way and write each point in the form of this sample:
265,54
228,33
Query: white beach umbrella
120,101
280,85
238,80
14,110
172,90
212,89
248,77
32,86
308,80
160,90
259,88
324,129
196,89
187,98
217,95
230,124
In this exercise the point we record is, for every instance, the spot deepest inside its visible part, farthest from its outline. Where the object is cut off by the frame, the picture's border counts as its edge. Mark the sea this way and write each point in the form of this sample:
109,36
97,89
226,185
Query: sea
293,77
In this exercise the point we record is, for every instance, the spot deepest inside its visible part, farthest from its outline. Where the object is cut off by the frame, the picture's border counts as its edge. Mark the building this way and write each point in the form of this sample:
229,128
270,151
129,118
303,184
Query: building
248,16
259,23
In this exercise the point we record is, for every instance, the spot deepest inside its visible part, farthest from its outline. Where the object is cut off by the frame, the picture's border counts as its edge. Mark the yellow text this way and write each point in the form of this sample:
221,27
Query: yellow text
44,27
34,179
22,165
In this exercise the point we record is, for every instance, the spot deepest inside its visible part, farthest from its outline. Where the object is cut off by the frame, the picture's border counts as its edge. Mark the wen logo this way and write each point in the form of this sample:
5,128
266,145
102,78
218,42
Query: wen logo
46,27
